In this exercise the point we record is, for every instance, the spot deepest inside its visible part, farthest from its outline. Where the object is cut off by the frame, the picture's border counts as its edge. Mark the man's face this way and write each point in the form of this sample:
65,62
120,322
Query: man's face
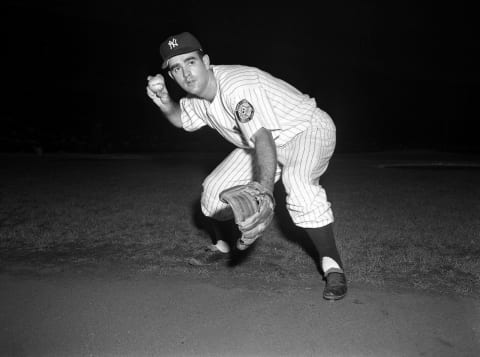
190,71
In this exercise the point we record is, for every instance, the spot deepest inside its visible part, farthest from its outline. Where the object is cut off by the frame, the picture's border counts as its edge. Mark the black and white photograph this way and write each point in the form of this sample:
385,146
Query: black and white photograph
214,178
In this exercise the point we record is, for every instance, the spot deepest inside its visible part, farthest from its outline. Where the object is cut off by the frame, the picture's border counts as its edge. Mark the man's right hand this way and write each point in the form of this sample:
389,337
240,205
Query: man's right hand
158,92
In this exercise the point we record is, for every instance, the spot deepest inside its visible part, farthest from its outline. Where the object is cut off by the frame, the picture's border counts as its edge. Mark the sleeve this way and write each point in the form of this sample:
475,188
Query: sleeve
253,111
191,120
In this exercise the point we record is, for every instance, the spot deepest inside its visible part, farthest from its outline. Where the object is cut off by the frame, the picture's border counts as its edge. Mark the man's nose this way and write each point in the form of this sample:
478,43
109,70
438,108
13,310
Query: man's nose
186,73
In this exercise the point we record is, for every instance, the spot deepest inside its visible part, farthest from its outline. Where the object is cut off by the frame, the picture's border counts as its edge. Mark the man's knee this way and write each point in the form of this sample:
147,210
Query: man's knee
313,213
207,205
208,185
210,191
212,207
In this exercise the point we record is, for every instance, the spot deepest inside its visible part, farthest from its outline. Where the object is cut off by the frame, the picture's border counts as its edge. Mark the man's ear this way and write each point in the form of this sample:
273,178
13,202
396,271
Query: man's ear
206,60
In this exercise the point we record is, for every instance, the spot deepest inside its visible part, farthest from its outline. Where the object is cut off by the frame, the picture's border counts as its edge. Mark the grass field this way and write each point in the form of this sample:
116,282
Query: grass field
396,227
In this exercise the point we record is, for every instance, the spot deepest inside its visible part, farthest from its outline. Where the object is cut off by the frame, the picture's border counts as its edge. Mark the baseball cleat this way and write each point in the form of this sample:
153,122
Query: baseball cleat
210,255
221,246
336,286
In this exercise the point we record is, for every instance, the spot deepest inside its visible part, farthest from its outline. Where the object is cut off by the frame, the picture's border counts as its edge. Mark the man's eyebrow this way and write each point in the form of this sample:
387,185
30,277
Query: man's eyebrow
185,60
189,58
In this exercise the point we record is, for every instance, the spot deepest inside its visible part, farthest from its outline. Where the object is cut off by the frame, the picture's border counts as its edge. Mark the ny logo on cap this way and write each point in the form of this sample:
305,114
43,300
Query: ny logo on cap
173,43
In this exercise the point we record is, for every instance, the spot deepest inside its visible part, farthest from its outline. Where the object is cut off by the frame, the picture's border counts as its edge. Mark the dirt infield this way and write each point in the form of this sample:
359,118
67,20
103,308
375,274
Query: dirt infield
146,315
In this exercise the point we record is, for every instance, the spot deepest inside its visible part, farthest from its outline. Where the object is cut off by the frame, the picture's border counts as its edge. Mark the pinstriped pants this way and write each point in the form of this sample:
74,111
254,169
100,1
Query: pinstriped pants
301,162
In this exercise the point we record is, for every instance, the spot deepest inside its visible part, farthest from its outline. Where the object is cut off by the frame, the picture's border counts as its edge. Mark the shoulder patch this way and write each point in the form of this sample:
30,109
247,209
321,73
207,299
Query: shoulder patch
244,111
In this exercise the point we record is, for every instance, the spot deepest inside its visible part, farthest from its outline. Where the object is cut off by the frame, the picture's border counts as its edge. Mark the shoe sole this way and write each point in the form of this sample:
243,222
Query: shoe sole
333,298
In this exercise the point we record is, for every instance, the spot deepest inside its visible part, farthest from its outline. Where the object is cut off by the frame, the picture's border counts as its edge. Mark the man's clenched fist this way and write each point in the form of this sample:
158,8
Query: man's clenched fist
156,84
157,91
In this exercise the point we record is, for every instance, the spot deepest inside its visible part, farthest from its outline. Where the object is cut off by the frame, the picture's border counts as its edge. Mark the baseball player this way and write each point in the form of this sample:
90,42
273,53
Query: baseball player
279,133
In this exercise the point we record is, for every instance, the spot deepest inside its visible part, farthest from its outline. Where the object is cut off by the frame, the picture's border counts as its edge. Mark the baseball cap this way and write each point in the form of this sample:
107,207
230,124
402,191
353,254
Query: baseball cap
178,45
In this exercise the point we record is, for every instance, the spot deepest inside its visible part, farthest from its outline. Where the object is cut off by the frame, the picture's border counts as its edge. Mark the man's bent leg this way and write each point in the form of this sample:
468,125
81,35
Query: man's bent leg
235,169
305,159
324,240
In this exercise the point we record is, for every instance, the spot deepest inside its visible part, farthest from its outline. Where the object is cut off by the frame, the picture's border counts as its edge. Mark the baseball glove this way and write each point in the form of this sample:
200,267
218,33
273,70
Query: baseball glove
253,208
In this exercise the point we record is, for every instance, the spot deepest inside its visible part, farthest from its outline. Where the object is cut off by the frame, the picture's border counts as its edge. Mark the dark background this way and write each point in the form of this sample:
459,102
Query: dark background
402,75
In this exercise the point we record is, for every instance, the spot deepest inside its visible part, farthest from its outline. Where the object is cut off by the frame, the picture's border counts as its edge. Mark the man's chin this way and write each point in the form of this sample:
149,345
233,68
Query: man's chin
192,91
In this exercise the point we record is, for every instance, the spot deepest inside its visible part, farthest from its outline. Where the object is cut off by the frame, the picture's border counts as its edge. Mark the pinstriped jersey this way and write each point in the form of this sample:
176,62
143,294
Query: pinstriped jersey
248,99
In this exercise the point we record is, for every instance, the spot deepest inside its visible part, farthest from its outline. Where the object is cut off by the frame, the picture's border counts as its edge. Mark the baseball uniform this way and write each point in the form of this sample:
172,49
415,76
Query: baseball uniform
248,99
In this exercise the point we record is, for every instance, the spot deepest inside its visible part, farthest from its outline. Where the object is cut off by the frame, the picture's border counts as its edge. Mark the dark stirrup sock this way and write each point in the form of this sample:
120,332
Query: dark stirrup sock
221,230
324,240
